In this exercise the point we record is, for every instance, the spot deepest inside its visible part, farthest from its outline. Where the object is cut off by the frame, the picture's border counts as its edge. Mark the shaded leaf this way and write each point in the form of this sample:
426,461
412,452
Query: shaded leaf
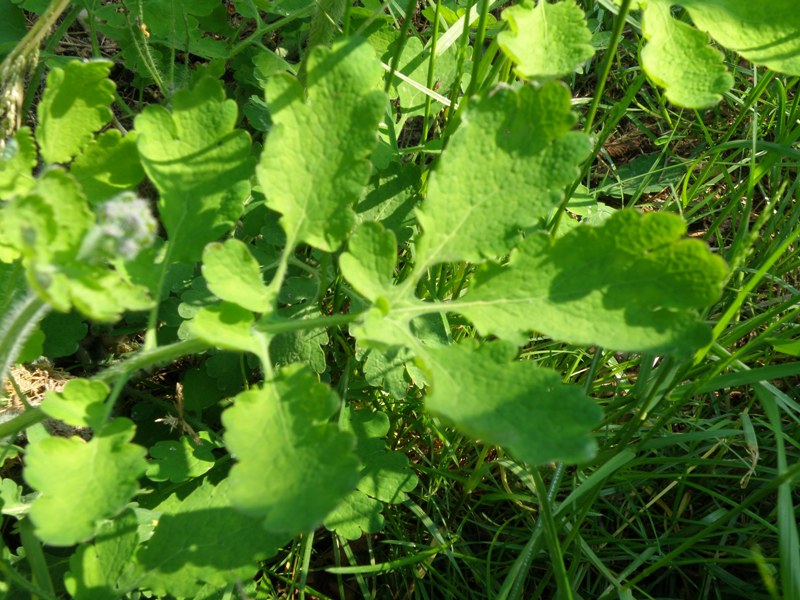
180,460
98,570
199,162
532,413
201,539
107,165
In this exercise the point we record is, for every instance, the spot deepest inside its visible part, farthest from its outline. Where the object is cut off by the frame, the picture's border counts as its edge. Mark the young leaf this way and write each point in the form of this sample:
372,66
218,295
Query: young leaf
234,275
17,160
314,165
79,404
293,465
528,154
81,483
199,162
227,326
532,414
679,58
633,284
546,40
97,570
767,37
108,165
369,261
74,105
200,539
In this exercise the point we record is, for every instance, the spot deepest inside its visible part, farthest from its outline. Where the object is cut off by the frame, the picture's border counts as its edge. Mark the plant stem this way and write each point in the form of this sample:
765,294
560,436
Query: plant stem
17,328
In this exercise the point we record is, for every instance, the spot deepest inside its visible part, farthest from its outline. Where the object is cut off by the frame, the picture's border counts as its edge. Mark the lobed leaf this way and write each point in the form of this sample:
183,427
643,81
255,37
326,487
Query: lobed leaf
679,58
632,283
201,539
74,105
82,483
79,404
103,570
546,40
200,163
385,478
233,274
108,165
17,161
293,465
314,165
767,36
370,259
528,154
524,408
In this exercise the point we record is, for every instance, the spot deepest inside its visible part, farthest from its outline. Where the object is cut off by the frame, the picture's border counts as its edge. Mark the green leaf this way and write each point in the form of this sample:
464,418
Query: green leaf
181,460
679,58
633,283
62,334
227,326
356,515
415,64
102,570
547,40
314,165
234,275
16,163
74,105
300,346
528,154
50,222
370,259
81,483
108,165
199,162
48,227
200,539
11,501
79,404
385,476
12,27
767,37
293,465
522,407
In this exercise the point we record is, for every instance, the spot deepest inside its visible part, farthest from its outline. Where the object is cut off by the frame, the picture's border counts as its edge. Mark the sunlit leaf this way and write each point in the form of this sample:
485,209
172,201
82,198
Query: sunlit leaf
314,165
546,40
293,465
75,104
528,154
81,483
632,283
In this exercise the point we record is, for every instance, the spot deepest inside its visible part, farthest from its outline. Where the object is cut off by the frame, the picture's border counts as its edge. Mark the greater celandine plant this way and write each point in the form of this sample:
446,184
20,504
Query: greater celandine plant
264,233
